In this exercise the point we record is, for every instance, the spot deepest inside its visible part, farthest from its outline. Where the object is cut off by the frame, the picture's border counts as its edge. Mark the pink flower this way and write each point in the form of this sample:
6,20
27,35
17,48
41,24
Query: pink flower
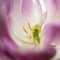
21,28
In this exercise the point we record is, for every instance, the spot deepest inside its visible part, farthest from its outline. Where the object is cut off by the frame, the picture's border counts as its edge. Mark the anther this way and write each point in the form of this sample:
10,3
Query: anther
29,26
24,30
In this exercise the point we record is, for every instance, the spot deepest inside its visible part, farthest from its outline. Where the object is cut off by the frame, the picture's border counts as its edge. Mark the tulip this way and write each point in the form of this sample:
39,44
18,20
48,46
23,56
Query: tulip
21,31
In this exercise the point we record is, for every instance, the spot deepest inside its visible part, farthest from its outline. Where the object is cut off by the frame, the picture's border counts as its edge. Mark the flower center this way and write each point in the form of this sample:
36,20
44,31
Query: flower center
36,31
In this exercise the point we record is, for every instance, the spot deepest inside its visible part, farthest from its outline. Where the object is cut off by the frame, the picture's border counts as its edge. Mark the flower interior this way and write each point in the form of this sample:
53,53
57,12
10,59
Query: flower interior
35,36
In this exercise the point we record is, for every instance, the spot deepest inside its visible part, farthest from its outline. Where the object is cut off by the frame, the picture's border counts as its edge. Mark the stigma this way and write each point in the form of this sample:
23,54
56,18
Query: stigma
36,32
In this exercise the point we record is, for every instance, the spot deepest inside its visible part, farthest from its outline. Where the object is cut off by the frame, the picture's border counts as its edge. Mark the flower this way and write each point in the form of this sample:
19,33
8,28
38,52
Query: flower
21,31
25,23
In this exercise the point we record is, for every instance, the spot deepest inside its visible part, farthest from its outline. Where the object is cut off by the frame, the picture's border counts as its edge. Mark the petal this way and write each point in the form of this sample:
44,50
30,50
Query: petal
43,19
52,33
57,56
53,9
7,45
6,42
31,11
52,27
5,5
46,54
3,29
42,55
4,18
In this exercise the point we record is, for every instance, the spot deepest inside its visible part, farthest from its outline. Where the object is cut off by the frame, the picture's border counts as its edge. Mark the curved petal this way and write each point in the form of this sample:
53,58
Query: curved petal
53,9
31,11
46,54
52,25
52,33
5,5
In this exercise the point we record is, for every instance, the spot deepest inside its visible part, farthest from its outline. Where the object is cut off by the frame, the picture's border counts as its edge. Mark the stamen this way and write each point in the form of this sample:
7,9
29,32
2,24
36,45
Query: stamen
21,39
36,30
25,30
29,26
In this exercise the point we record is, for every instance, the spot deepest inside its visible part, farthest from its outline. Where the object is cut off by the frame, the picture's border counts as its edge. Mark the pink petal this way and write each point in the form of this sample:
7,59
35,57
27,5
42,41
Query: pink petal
31,10
53,9
52,33
5,5
29,5
52,25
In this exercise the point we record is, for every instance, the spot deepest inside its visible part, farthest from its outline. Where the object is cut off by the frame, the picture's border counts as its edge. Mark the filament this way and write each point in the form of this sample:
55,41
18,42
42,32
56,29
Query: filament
29,26
24,30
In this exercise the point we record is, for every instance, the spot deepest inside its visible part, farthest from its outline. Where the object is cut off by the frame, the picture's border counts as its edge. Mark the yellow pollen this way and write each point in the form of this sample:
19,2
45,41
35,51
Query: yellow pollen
36,30
36,27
